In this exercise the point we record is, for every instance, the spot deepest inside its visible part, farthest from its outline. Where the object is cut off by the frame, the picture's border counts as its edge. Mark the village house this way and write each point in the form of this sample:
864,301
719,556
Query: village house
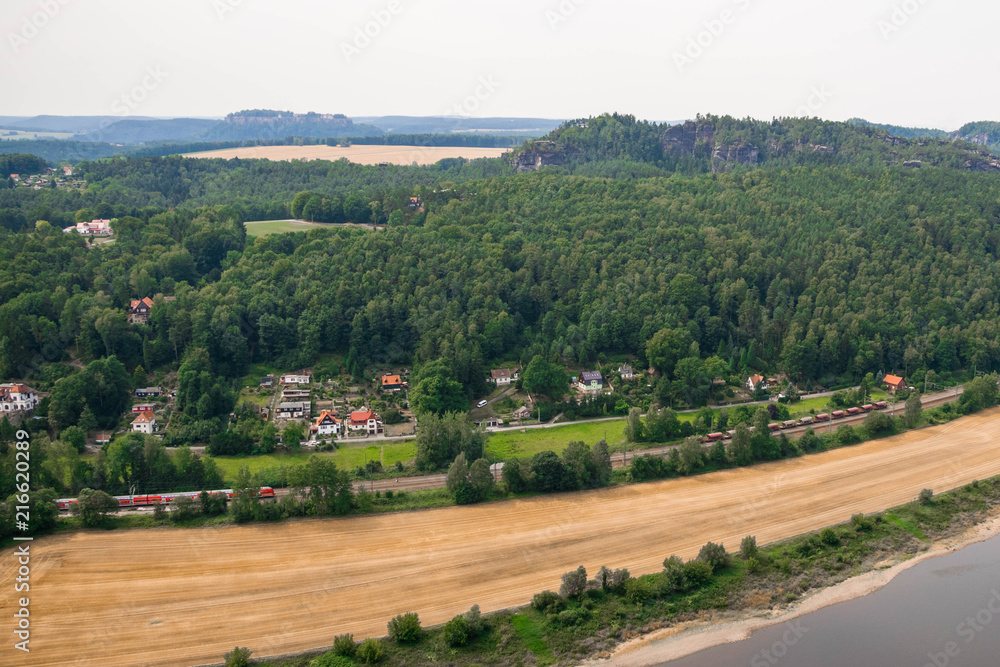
503,376
144,423
267,382
143,407
92,228
756,382
149,392
894,383
392,382
296,379
626,372
17,398
415,202
295,394
365,421
591,381
522,413
139,310
326,424
293,410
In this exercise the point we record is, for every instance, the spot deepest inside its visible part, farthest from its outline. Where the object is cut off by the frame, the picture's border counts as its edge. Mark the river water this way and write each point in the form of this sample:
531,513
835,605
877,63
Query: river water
944,612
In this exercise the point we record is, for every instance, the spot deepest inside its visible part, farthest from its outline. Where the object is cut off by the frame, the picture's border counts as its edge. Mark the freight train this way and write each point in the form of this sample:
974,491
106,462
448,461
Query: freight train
161,498
805,421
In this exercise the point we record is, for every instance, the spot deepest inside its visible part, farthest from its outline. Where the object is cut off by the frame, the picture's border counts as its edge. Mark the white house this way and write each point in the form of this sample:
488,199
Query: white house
756,381
293,410
295,379
365,421
503,376
326,424
591,381
626,372
144,423
17,398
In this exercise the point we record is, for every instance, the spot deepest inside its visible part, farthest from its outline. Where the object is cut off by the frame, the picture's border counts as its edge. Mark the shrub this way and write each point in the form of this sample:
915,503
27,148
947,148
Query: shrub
715,555
370,651
574,584
862,523
405,629
456,631
638,591
673,574
345,645
612,580
829,536
697,573
547,602
748,548
184,509
925,497
753,565
331,660
238,657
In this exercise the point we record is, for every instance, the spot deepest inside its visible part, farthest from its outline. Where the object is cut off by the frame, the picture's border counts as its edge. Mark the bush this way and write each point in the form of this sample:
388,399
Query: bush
547,603
715,555
697,573
612,580
331,660
862,523
456,631
637,591
925,497
94,508
345,645
829,536
574,584
748,548
370,651
238,657
185,509
753,565
405,629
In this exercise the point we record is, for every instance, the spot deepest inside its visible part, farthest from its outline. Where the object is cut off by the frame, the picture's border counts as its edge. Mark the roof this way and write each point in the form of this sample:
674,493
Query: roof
363,416
756,379
292,405
892,379
147,301
591,375
391,379
144,418
500,373
151,390
326,414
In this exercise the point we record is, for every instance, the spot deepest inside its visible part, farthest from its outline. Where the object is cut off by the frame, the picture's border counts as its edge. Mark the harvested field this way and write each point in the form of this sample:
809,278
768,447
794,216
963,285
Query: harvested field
401,155
184,597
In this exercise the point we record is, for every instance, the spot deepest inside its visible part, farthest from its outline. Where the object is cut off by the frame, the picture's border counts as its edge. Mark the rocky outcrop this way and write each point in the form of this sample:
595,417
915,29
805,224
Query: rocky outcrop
726,156
697,138
913,163
984,164
682,139
539,154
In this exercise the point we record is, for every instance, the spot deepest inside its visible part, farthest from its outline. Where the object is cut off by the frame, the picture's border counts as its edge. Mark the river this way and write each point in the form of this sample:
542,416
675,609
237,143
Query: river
944,612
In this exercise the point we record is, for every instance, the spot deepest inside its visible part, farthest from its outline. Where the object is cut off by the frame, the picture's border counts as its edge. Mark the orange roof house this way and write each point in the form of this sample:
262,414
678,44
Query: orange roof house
894,383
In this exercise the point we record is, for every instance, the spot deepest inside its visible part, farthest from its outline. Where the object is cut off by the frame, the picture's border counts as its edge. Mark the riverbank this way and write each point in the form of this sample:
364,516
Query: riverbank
728,627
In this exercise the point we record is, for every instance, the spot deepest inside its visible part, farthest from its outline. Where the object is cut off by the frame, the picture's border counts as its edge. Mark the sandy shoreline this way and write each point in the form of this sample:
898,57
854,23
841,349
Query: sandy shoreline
687,638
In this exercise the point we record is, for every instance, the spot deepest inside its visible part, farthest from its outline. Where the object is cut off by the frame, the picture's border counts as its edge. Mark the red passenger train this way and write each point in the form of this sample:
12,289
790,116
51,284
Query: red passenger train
161,498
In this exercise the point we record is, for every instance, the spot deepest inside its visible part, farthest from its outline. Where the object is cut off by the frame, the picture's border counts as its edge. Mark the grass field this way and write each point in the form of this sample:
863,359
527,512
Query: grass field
346,458
255,229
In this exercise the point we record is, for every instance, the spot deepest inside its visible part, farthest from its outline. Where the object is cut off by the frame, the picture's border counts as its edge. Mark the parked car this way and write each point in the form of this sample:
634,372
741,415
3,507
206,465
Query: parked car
481,404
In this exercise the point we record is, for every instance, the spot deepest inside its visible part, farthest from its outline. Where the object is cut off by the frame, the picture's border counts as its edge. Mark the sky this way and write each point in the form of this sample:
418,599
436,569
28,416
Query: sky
924,63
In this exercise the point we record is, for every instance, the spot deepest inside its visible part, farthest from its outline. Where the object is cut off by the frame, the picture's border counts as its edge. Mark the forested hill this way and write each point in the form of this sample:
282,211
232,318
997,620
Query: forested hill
616,145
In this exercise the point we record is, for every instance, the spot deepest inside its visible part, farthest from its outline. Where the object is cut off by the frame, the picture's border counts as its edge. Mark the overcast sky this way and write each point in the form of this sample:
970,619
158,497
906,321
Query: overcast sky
930,63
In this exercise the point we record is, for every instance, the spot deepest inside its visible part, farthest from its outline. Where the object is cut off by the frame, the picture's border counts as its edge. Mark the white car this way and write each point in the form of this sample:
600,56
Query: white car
481,404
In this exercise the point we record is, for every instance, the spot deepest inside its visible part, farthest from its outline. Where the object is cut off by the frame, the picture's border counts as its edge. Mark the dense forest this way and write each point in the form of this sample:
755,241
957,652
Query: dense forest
824,265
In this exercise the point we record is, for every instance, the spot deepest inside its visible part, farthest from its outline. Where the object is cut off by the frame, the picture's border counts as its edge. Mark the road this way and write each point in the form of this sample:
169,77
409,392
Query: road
169,597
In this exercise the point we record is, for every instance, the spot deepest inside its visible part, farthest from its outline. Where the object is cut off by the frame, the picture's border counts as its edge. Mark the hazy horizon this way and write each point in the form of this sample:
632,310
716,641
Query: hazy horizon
912,63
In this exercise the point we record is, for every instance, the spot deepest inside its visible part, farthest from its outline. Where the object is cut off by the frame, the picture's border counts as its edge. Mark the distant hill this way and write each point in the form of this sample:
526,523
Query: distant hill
269,124
447,125
74,124
615,145
146,131
905,132
984,133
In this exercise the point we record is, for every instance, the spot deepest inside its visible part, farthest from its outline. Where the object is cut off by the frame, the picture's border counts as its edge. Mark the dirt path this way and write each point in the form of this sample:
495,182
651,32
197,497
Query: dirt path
170,597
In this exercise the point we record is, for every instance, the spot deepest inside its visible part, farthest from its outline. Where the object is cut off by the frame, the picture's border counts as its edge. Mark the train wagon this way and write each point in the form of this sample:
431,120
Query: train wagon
146,500
774,427
823,417
807,420
791,423
839,414
881,405
867,408
714,437
854,411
